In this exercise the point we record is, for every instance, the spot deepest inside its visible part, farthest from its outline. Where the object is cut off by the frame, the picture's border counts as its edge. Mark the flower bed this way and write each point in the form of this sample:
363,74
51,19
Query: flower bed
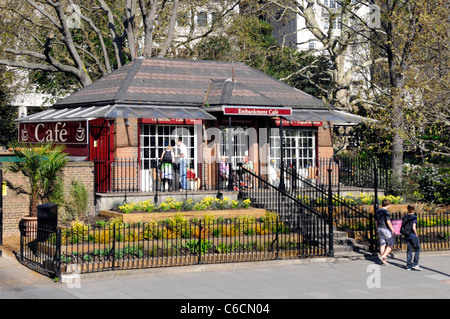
207,203
146,211
180,240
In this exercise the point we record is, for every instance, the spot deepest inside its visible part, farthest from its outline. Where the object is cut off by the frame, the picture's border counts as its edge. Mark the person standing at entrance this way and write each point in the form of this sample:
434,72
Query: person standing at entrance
412,241
167,160
248,165
182,154
385,230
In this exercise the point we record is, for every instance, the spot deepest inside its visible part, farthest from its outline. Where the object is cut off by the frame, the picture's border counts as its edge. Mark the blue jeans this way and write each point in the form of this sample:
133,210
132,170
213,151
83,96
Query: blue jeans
412,244
183,174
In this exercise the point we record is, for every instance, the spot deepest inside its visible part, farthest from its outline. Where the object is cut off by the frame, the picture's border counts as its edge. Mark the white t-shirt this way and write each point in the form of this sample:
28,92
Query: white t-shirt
183,150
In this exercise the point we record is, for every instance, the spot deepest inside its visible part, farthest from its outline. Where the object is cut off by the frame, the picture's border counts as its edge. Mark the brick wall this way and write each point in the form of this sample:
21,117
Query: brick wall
16,202
325,142
126,139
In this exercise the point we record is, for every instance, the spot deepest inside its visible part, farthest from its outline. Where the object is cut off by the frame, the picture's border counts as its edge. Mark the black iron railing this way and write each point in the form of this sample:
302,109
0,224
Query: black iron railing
40,249
132,176
433,229
175,242
325,199
315,227
182,242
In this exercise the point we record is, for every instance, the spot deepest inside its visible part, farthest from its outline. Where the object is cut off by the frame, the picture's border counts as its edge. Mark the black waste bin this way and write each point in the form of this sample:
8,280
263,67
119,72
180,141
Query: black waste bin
47,221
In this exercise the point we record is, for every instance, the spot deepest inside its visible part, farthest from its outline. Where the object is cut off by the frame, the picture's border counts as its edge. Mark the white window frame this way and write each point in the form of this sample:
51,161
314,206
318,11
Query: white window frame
240,144
152,142
299,147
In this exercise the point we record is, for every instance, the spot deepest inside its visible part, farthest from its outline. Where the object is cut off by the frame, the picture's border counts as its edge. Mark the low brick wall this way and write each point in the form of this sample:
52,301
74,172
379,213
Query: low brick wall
16,202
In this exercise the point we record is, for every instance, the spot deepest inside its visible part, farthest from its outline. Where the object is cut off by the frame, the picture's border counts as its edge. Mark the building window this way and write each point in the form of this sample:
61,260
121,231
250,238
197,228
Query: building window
299,147
239,144
311,45
202,19
154,139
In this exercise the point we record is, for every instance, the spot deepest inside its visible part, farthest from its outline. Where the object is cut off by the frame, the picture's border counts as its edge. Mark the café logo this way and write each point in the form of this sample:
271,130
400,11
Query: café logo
56,132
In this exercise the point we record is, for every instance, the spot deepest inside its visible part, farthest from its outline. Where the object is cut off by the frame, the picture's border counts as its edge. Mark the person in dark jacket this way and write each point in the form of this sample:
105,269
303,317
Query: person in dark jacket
412,242
167,160
385,230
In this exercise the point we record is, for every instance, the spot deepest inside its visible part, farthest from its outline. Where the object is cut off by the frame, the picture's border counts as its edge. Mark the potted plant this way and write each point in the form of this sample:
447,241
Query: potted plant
40,164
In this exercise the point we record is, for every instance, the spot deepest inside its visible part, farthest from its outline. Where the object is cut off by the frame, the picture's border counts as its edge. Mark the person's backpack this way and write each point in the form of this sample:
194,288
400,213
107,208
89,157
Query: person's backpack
407,226
167,158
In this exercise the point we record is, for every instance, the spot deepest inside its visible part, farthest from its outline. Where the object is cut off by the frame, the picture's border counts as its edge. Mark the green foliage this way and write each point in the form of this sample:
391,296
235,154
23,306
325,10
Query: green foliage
76,203
8,128
194,247
80,197
427,183
40,164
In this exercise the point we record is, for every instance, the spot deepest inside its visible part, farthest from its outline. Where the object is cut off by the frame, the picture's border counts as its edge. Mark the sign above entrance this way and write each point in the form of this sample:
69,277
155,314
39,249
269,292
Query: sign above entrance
57,132
298,123
257,111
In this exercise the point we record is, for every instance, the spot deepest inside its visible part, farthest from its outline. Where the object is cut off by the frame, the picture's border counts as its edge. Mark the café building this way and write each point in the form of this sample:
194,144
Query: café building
221,110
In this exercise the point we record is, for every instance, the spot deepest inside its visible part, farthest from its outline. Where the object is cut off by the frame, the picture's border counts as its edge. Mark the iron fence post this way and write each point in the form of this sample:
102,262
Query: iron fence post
230,178
114,247
200,242
371,232
330,215
156,183
241,192
58,254
219,193
276,225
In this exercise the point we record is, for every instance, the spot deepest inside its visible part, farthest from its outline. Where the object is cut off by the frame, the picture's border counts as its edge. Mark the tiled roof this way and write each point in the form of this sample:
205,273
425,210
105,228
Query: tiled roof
188,83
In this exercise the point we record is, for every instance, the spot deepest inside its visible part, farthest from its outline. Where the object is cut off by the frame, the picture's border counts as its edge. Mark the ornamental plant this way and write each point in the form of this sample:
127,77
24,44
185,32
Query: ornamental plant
40,164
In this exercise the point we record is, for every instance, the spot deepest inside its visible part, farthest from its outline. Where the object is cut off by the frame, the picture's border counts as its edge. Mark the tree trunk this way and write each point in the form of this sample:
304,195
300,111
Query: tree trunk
33,204
397,138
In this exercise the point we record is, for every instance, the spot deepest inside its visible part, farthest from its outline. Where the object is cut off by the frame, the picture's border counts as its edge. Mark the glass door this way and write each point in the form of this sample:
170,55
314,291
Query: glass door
239,144
154,140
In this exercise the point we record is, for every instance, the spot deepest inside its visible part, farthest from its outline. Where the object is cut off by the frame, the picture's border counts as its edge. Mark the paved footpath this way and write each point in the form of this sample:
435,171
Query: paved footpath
320,278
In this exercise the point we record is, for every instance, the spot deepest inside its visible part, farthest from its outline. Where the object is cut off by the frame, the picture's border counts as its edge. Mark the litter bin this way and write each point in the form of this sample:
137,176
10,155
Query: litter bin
47,221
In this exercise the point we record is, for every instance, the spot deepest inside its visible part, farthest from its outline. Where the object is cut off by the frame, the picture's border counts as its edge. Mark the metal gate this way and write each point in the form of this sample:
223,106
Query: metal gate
40,241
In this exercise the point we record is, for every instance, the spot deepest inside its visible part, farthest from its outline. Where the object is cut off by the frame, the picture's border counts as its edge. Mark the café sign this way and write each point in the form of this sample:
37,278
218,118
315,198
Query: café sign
257,111
57,132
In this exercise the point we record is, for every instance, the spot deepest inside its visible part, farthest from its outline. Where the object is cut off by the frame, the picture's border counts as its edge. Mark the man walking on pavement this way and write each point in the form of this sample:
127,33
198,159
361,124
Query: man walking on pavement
385,230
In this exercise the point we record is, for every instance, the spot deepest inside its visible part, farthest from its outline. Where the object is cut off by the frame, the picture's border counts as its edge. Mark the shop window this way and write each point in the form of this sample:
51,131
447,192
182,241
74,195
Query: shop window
202,19
154,138
239,144
299,147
